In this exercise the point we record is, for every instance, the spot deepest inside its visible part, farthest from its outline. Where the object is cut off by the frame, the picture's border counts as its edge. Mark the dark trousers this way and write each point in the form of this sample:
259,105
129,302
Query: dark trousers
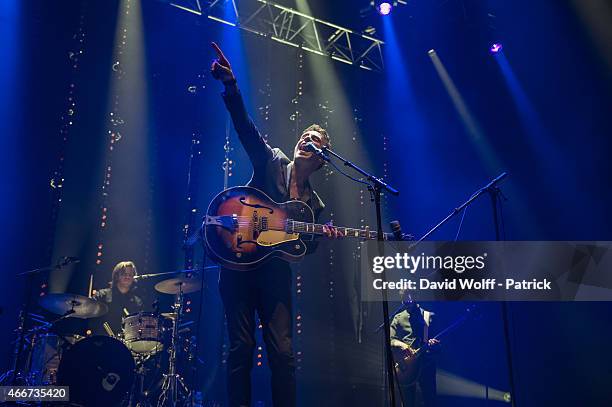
427,387
268,291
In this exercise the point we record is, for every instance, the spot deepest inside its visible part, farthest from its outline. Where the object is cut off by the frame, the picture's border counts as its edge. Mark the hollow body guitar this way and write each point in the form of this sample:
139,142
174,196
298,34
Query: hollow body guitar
243,227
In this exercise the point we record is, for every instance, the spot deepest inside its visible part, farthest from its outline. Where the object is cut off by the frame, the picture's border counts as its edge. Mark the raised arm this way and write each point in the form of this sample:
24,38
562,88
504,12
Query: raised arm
256,147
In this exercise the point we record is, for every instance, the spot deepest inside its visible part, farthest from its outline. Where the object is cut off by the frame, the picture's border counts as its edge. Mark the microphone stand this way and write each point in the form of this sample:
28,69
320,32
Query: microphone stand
494,192
376,186
491,186
166,273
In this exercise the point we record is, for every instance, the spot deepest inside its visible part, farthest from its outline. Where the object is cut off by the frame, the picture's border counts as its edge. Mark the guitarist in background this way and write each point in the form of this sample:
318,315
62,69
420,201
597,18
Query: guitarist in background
409,332
266,289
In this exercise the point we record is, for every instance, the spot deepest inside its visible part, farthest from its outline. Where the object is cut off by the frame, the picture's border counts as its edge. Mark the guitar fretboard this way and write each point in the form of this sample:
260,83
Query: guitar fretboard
294,226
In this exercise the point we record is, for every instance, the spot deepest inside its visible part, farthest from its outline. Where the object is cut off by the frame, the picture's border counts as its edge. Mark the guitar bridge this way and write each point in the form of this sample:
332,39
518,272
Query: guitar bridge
226,222
264,224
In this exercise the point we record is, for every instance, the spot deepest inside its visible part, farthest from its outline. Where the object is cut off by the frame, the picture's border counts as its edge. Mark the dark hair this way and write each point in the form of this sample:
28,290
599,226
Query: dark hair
319,129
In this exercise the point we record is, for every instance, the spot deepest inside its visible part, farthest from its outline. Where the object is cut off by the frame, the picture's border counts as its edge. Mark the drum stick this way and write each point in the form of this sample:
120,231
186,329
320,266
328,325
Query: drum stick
108,329
90,286
126,312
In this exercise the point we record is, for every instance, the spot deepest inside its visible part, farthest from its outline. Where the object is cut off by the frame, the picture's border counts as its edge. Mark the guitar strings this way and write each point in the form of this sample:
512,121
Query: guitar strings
290,225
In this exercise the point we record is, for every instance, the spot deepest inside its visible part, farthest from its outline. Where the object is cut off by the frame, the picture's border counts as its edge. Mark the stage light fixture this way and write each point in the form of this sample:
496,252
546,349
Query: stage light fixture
496,47
384,8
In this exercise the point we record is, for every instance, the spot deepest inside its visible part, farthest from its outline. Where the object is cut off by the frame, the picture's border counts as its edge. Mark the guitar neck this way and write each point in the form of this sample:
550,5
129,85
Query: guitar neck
317,229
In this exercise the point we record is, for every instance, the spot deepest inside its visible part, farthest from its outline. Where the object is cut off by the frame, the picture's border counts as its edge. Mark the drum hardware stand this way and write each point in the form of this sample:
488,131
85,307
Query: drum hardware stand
138,396
29,341
17,373
173,383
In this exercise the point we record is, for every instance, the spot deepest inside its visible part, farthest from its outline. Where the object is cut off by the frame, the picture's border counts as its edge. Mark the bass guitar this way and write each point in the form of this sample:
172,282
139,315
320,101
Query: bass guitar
244,227
408,362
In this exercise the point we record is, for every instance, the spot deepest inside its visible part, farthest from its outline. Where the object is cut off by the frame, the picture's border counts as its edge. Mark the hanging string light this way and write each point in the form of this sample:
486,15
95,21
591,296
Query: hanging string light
299,277
68,119
114,132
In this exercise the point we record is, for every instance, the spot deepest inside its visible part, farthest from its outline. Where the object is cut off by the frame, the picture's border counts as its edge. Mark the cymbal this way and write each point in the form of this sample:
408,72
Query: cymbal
169,315
174,285
78,306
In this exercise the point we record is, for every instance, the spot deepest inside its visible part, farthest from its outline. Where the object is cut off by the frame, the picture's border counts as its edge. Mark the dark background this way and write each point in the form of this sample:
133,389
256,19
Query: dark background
554,140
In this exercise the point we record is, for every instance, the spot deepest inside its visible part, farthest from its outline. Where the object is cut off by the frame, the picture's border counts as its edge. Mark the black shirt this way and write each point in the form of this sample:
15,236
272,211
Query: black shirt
117,302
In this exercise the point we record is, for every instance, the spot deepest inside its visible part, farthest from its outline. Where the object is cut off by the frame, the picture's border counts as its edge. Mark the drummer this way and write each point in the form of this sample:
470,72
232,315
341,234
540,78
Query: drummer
121,297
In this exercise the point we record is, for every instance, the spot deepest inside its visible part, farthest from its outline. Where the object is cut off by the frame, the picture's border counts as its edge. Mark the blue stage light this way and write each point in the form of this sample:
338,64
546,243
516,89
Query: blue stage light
384,8
496,47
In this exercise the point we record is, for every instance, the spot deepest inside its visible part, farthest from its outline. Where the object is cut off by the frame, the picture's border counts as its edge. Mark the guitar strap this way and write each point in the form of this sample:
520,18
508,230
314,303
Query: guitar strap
289,178
427,318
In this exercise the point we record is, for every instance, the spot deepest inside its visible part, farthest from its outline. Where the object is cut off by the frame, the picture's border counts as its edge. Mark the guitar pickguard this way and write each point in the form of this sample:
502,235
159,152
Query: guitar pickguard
274,237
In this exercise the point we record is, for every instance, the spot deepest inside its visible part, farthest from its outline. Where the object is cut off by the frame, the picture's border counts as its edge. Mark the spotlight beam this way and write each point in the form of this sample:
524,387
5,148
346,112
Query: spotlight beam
486,152
450,384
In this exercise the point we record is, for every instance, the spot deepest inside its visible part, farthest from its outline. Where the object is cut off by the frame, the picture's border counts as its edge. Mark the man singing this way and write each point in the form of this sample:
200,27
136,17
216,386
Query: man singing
266,289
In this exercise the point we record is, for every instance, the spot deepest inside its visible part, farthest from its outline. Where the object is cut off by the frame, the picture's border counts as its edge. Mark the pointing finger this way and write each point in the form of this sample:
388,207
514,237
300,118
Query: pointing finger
220,54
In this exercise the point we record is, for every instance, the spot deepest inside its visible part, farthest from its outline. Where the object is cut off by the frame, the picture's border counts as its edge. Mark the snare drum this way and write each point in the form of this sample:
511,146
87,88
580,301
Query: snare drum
143,332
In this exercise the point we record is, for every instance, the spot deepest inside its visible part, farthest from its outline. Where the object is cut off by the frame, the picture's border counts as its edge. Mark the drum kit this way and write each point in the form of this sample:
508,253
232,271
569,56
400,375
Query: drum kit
111,370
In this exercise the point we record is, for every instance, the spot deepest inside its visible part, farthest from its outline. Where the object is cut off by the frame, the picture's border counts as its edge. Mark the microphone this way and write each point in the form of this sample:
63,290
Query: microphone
314,149
497,180
144,276
66,260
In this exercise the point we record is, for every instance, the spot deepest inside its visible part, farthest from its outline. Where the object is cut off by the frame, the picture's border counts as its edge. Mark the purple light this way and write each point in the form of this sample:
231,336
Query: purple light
384,8
496,47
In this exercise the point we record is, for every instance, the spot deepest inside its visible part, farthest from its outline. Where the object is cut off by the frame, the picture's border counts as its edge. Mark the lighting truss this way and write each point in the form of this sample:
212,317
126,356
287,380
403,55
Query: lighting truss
292,28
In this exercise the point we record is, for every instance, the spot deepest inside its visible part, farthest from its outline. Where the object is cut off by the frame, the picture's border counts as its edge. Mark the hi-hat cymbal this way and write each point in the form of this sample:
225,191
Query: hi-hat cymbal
174,285
73,305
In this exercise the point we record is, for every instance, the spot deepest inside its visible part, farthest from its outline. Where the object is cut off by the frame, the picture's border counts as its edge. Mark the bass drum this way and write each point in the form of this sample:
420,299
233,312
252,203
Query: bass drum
99,371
